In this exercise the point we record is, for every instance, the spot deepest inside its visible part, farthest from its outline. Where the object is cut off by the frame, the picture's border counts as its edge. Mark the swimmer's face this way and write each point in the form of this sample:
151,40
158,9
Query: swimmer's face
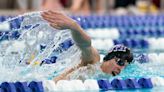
114,66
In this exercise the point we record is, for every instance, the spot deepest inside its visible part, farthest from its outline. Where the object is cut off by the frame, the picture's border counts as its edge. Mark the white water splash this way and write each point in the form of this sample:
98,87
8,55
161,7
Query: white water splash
14,54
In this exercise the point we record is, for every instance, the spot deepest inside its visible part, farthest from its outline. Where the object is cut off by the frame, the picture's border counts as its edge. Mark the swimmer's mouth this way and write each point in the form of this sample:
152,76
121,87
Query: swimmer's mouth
114,73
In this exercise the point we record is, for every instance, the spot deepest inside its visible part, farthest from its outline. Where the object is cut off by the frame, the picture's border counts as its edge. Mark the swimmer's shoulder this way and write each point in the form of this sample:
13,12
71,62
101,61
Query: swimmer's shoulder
94,59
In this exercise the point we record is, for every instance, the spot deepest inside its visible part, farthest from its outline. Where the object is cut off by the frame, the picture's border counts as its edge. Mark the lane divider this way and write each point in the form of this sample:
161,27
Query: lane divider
78,85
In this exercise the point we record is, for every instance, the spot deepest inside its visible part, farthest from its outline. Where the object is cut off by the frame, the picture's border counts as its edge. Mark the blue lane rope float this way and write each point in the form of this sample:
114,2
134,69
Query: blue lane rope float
118,84
145,83
36,86
1,90
22,87
125,84
8,87
132,83
104,85
105,21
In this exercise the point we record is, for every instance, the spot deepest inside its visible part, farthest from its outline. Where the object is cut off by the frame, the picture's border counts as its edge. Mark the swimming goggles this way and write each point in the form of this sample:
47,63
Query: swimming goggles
121,62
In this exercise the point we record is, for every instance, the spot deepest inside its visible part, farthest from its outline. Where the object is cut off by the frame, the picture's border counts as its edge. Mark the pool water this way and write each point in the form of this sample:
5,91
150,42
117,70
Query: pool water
155,89
36,32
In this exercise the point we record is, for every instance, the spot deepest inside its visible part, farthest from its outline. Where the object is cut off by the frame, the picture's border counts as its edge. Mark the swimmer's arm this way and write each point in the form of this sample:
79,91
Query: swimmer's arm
82,40
63,76
62,22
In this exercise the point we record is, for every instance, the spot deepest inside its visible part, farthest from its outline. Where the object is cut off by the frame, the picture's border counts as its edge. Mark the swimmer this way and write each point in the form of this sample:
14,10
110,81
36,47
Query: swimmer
113,63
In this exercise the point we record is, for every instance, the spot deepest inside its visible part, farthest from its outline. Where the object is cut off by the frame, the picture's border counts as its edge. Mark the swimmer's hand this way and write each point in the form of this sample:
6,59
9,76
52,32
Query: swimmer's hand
59,20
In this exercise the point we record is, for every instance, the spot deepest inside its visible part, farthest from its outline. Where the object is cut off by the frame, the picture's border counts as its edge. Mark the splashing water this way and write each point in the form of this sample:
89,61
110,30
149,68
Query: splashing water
14,54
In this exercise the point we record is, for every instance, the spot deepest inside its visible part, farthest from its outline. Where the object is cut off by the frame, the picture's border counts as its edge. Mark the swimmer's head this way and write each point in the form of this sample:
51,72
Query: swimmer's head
119,51
117,59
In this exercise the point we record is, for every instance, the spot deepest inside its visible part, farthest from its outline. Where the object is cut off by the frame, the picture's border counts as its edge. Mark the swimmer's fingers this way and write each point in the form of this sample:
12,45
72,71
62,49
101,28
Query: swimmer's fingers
54,23
47,17
51,19
52,15
55,26
63,21
58,22
55,12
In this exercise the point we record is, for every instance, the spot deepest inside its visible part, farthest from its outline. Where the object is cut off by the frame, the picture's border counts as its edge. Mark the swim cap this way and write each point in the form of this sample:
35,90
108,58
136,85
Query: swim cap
119,51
